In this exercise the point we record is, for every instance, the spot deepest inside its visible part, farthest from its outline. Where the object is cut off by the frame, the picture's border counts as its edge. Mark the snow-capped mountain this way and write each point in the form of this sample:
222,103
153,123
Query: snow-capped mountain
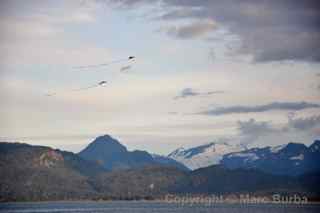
288,159
204,155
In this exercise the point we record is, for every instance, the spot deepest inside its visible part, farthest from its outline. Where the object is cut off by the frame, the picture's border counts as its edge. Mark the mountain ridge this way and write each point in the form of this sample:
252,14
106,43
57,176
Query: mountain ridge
289,159
111,154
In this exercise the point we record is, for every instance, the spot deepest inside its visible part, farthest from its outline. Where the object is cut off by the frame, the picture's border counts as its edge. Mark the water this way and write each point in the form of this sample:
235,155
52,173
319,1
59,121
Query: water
150,207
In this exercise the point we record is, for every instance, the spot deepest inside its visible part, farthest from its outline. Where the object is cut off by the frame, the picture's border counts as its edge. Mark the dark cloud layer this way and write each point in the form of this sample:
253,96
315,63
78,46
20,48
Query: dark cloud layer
191,31
189,92
261,108
272,30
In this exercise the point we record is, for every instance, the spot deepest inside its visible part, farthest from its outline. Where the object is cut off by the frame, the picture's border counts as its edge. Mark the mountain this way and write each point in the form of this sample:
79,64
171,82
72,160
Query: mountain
289,159
42,173
154,182
219,180
112,155
36,173
39,173
315,147
204,155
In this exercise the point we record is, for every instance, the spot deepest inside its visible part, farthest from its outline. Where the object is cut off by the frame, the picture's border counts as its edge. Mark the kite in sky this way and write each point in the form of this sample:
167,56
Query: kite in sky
130,58
101,83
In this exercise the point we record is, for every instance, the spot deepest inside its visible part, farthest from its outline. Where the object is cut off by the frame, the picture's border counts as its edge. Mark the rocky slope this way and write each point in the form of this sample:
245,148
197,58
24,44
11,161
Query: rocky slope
42,173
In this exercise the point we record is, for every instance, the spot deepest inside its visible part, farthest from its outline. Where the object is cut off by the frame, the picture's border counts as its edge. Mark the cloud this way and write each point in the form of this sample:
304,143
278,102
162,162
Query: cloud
189,92
254,127
39,32
251,130
274,30
260,108
318,75
261,132
193,30
304,123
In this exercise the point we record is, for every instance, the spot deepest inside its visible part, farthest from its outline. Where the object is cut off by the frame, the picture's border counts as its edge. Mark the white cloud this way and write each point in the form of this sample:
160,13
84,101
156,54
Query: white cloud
261,133
198,29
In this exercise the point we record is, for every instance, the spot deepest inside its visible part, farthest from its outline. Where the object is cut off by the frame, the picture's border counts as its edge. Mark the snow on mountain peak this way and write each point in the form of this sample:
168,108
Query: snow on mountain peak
276,149
204,155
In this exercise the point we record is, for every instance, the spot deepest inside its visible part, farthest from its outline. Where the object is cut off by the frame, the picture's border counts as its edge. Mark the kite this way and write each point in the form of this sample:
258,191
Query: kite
130,58
101,83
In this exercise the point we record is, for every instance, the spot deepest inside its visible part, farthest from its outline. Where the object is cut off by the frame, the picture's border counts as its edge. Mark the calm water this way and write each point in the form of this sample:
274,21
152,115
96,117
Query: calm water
150,207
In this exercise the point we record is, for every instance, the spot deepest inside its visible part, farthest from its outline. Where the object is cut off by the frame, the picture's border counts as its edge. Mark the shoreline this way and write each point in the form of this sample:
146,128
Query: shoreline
229,202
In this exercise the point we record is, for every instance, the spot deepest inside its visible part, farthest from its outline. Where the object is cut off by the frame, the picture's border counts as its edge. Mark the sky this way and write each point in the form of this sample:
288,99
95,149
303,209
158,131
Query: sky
205,71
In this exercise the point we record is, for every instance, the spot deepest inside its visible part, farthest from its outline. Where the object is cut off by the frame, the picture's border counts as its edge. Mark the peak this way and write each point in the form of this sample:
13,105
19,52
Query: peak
315,146
293,144
105,143
104,137
295,147
316,142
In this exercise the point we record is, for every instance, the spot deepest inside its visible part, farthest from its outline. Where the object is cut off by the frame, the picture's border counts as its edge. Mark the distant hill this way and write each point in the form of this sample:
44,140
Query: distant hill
34,173
112,155
150,181
153,182
42,173
289,159
219,180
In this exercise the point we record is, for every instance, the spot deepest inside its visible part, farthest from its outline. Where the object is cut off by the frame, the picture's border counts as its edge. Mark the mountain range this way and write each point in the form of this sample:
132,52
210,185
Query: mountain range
287,159
105,169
